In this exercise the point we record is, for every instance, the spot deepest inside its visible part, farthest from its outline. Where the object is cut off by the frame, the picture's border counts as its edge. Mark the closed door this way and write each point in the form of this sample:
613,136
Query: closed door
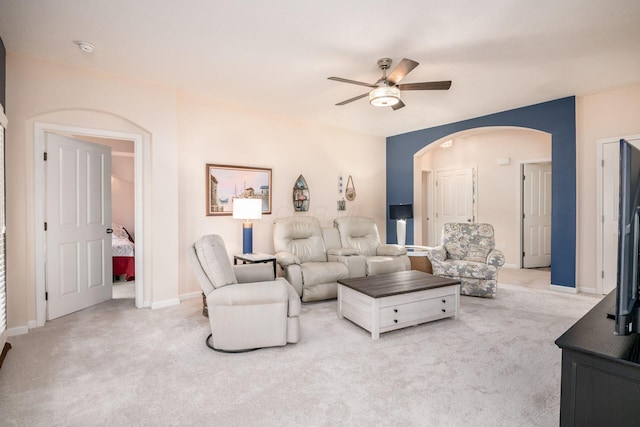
78,220
536,222
454,198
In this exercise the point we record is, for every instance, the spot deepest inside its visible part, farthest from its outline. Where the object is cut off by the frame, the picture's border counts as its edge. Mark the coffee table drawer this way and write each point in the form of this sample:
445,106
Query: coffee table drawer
415,312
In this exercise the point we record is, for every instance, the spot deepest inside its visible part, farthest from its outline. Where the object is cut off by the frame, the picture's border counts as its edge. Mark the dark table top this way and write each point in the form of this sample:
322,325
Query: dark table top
593,333
402,282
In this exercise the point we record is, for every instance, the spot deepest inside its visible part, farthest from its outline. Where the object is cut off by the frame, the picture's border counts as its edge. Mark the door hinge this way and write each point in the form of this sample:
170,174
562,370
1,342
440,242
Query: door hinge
45,226
602,274
523,255
603,219
46,296
45,156
602,163
523,215
524,177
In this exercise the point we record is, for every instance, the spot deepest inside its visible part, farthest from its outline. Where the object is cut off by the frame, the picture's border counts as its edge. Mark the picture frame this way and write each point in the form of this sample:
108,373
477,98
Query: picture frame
225,183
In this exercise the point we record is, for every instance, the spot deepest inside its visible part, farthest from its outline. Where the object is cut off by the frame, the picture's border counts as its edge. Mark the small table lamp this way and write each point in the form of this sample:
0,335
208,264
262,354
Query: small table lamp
401,213
247,209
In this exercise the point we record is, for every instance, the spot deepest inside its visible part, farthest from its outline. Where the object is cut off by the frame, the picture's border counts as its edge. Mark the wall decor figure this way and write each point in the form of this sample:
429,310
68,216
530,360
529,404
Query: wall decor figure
301,195
350,192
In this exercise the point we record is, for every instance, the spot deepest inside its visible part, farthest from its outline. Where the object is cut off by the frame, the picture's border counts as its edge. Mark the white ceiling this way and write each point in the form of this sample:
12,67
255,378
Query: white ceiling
276,55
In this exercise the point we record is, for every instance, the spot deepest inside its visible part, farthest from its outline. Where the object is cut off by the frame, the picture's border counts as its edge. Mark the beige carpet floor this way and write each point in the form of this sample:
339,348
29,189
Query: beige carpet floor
113,365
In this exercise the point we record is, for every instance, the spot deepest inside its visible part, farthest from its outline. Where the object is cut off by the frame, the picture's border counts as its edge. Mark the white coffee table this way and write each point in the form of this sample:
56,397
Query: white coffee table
392,301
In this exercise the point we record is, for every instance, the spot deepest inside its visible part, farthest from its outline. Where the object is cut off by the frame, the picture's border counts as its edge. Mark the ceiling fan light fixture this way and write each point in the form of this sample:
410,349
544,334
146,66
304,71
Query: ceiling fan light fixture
384,96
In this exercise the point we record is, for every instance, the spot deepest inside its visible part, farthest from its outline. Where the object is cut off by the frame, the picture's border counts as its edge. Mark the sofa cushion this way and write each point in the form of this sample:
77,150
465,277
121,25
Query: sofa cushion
301,236
214,260
323,272
360,233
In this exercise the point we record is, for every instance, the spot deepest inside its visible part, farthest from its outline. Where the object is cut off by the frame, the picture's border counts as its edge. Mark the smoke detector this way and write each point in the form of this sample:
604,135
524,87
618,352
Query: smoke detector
85,46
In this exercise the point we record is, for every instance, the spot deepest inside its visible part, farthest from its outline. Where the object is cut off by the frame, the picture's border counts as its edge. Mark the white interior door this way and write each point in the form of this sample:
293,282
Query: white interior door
609,196
536,222
609,193
454,198
78,218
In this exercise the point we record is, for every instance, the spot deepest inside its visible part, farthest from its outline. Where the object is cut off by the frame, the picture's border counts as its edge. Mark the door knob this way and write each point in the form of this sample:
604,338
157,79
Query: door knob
109,230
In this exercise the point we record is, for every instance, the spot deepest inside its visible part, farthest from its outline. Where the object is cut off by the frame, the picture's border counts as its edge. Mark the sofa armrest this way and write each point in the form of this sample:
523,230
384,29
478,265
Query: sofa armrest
249,273
286,258
437,253
391,250
257,293
342,252
495,258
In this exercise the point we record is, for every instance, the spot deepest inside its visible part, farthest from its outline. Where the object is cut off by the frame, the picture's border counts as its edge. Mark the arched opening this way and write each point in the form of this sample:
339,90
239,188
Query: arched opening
495,156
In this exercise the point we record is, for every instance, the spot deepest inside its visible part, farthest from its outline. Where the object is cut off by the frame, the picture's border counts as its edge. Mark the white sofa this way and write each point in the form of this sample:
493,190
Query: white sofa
314,258
311,258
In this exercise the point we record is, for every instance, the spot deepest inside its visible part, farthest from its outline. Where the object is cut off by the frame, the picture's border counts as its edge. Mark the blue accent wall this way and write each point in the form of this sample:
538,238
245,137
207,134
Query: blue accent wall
555,117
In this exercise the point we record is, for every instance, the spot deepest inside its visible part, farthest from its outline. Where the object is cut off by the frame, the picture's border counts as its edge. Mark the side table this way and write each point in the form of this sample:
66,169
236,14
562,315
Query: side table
255,258
418,258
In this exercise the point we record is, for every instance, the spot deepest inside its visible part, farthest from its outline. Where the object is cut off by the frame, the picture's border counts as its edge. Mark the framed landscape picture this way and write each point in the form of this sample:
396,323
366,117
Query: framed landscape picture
225,183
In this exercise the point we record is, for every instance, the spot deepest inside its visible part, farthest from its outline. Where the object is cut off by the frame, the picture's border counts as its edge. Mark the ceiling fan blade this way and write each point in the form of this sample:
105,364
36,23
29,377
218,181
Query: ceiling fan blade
397,106
443,85
355,98
404,67
340,79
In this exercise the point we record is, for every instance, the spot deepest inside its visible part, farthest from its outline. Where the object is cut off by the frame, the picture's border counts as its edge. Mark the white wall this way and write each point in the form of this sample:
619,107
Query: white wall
216,133
497,186
614,113
181,132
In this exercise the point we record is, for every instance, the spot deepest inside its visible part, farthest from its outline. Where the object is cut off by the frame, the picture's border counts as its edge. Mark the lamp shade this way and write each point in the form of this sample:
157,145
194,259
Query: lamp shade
384,96
247,208
401,211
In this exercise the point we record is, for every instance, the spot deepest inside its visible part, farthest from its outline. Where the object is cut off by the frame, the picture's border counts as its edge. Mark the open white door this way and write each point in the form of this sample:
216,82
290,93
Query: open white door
536,222
78,218
454,198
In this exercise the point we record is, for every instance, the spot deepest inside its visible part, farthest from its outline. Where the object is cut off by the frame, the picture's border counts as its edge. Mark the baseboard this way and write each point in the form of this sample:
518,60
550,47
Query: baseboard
165,303
191,295
20,330
564,289
590,291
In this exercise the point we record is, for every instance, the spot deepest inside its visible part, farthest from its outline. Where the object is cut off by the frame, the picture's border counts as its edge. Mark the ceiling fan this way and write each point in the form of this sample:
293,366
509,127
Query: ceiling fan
386,91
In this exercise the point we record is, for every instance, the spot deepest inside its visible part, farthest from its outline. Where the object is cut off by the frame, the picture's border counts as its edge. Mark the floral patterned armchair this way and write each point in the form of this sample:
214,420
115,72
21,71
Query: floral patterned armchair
467,253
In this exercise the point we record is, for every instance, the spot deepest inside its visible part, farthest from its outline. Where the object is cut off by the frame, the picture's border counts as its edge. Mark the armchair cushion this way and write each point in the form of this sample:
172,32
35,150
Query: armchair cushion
247,273
213,258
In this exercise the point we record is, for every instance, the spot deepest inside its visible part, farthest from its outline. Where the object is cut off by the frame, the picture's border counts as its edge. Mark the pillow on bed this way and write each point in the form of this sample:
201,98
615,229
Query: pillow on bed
119,231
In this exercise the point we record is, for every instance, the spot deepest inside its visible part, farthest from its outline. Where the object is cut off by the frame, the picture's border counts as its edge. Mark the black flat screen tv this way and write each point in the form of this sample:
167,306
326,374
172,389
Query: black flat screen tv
627,313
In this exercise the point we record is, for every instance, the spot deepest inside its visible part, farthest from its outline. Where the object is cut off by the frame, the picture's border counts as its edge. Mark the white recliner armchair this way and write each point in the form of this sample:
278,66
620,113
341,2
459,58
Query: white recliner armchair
307,263
248,307
361,234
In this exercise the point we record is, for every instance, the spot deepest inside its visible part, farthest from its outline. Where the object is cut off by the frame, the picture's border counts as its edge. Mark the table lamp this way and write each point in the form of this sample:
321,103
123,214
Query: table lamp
401,213
247,209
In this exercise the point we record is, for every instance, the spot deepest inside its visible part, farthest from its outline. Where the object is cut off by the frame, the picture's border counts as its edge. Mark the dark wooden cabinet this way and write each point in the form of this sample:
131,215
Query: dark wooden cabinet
600,384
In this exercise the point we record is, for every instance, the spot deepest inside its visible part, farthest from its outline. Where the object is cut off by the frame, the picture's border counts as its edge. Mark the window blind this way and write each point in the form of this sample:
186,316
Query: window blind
3,228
